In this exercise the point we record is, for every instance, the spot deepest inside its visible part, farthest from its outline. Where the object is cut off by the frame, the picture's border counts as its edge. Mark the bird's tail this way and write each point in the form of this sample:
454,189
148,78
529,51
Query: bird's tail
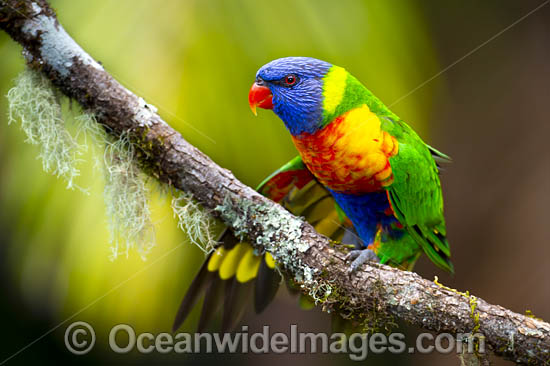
226,279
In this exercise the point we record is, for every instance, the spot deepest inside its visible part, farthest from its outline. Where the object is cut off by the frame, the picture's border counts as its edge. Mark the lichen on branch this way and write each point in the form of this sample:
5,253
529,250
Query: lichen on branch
36,103
194,220
127,200
279,236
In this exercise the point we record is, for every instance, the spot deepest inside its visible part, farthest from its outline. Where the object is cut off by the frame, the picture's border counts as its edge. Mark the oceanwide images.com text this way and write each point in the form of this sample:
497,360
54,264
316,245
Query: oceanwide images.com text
80,339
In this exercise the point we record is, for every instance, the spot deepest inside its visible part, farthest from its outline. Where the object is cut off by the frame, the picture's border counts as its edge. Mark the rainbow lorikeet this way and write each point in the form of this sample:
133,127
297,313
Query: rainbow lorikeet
363,177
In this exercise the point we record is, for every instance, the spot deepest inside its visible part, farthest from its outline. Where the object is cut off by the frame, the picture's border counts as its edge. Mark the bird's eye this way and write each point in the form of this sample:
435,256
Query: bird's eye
290,80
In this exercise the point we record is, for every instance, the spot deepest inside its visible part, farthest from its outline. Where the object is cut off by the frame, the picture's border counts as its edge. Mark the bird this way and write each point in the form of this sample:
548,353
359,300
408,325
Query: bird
362,177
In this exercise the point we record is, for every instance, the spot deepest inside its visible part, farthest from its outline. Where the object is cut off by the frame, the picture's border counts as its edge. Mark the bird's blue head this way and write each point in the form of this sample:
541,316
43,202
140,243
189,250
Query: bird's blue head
293,88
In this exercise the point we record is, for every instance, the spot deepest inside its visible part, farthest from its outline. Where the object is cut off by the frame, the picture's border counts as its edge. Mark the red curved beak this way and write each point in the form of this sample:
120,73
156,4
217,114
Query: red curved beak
260,96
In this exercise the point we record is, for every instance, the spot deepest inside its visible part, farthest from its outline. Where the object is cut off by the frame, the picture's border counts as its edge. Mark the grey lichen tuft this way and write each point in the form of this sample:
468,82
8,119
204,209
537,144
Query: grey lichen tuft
194,220
93,135
34,102
88,126
276,234
127,201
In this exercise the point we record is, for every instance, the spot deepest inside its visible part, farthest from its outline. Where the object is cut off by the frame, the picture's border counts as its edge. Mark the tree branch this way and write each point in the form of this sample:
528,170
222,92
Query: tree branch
301,252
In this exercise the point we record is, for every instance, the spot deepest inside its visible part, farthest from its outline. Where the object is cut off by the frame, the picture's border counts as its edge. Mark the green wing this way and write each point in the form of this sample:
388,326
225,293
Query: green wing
416,195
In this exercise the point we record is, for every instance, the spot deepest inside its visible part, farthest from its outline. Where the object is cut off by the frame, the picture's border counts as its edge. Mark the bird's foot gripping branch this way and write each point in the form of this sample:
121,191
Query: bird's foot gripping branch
167,157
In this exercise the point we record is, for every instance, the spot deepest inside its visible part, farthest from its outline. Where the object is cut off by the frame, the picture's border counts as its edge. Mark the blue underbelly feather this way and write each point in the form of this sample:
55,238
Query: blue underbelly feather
366,211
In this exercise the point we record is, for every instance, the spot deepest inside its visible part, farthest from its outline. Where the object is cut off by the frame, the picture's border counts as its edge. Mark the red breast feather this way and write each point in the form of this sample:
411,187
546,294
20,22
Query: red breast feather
351,154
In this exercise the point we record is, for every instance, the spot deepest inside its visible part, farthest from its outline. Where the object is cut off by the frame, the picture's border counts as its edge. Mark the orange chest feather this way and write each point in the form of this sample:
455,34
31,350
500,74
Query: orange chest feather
351,154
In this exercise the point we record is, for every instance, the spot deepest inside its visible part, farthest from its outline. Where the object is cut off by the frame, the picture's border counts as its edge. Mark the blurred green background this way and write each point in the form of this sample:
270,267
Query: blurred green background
195,61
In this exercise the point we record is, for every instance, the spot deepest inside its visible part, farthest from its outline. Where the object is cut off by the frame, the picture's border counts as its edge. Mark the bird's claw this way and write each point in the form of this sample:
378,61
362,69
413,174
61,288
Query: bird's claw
359,257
